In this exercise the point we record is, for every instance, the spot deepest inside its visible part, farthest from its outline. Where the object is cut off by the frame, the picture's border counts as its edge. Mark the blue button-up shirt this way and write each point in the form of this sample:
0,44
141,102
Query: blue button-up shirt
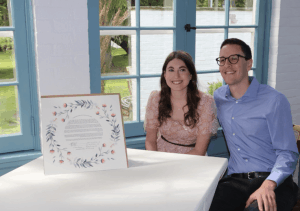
259,131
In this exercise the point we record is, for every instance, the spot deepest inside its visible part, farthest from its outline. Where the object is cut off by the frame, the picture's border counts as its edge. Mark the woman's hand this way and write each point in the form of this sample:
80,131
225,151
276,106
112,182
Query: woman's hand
151,139
201,145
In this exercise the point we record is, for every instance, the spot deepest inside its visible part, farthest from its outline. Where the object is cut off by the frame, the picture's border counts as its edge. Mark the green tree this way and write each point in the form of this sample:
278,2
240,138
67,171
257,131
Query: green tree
206,3
6,43
213,86
152,3
4,16
202,3
239,3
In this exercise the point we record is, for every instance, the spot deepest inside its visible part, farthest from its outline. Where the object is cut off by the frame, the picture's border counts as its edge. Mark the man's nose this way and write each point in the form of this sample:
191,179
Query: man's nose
227,63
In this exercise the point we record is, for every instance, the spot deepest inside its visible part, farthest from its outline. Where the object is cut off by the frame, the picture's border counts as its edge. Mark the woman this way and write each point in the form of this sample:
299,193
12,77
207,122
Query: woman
180,118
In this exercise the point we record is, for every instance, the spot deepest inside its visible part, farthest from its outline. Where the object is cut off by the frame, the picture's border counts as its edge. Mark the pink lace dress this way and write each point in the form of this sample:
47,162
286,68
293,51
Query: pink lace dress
176,131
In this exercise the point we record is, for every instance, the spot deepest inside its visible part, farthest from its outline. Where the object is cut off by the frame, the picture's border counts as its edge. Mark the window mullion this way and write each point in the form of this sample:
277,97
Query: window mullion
227,10
138,56
94,46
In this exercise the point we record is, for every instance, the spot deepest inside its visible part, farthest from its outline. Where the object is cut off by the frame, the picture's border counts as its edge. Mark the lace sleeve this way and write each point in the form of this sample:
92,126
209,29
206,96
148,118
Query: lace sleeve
208,122
151,117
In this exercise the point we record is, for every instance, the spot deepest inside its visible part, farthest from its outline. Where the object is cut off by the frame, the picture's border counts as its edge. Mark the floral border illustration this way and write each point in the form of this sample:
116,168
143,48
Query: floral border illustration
65,112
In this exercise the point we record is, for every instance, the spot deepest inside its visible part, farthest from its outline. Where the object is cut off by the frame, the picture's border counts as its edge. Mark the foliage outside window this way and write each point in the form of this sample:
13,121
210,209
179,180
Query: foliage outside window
4,15
234,4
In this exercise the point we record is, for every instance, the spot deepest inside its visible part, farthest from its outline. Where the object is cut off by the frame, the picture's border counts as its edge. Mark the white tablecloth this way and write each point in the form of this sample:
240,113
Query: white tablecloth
154,181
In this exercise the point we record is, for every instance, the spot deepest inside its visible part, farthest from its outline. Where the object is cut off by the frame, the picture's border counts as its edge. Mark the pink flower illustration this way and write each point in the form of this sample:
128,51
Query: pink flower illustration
112,152
65,105
97,112
63,120
54,113
104,145
113,115
52,151
69,153
103,105
102,160
61,161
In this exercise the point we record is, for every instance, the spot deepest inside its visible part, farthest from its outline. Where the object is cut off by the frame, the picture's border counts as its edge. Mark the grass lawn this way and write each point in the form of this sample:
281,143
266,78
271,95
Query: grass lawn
8,105
119,60
7,65
8,111
119,86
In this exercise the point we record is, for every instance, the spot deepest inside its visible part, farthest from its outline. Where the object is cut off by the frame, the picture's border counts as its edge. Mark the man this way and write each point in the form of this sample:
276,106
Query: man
257,123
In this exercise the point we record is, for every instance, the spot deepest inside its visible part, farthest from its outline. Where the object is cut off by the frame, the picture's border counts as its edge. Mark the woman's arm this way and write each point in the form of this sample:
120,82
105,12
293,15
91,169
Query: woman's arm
201,144
151,137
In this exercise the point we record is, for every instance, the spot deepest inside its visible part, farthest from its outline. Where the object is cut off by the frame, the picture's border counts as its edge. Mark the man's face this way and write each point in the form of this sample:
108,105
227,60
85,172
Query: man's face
235,74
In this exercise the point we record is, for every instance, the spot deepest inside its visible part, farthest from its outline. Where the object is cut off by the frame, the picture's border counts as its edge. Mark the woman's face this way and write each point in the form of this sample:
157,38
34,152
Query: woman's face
177,75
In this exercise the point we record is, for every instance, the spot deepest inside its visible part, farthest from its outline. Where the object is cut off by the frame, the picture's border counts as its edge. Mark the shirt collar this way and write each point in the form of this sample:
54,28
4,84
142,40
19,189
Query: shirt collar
251,91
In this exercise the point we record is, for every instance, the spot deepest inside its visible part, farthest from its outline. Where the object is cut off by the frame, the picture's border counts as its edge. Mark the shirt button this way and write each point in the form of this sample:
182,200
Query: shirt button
246,160
239,149
232,117
236,101
233,134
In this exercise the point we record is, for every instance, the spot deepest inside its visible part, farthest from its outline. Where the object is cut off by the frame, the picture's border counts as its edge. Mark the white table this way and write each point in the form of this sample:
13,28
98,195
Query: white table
154,181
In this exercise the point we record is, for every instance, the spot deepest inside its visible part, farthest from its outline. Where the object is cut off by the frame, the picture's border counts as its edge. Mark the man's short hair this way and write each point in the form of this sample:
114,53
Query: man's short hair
234,41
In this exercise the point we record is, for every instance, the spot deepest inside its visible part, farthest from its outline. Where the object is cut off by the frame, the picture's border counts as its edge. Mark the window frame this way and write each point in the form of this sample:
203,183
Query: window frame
22,27
181,9
261,38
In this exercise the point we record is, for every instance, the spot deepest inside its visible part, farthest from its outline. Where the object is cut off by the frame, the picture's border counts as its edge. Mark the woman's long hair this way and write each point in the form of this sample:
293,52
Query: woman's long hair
165,107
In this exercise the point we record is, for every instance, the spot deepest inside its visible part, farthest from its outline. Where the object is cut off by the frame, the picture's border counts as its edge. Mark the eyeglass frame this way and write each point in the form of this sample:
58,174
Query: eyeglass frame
238,55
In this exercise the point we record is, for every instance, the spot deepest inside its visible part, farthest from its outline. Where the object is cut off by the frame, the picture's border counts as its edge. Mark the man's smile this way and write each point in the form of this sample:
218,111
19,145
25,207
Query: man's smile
229,72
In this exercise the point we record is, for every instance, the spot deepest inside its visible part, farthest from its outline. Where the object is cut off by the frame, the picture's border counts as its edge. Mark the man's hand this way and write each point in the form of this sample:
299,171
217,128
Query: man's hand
265,196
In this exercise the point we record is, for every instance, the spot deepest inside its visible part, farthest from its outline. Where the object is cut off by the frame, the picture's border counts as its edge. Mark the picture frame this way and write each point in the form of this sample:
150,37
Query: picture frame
82,133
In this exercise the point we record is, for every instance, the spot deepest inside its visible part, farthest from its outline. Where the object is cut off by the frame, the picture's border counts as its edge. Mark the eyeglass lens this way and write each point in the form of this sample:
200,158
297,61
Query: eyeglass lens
233,59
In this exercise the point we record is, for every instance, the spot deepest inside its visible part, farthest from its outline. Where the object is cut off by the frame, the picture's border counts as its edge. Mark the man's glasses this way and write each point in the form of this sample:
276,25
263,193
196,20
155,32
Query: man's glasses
233,59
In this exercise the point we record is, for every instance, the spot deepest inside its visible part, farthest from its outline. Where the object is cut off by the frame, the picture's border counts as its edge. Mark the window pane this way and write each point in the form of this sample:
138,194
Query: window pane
116,13
9,110
5,15
147,86
247,35
127,90
210,12
7,57
116,49
209,82
208,42
156,13
242,12
155,47
250,73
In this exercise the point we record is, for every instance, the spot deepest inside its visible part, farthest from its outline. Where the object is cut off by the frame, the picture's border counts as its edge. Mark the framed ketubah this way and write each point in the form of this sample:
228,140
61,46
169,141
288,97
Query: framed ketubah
82,133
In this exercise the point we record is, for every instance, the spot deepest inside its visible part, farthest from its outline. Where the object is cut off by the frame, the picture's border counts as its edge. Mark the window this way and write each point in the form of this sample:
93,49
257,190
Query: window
18,97
136,36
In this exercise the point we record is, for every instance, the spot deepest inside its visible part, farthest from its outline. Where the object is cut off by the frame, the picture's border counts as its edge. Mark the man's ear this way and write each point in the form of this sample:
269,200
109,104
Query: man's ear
249,64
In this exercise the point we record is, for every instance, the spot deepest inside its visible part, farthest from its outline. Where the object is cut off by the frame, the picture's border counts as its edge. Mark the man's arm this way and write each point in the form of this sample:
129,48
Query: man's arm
283,141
